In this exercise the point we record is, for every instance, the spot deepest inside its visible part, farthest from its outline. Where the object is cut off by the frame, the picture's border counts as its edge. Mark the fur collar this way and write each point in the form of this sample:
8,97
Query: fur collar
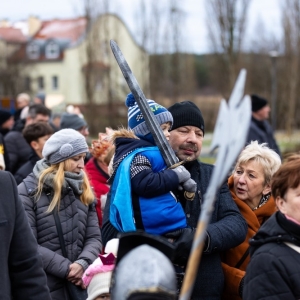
123,133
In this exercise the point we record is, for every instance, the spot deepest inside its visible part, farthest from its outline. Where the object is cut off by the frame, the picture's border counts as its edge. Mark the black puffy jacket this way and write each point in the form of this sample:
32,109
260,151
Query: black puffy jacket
274,269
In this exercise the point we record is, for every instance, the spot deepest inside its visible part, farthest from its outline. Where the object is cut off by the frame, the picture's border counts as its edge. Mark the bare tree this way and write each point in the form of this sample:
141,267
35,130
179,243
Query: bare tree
12,70
226,26
291,26
161,28
97,71
144,32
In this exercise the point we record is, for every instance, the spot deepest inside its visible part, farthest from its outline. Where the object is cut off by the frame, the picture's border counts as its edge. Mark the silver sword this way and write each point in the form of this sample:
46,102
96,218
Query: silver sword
163,145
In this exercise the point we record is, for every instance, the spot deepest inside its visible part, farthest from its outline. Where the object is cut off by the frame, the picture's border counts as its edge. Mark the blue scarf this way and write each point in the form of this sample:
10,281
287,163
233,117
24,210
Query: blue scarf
121,210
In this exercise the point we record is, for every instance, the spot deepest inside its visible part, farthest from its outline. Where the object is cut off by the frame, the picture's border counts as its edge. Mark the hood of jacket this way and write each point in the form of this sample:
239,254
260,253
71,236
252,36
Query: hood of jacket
126,141
271,232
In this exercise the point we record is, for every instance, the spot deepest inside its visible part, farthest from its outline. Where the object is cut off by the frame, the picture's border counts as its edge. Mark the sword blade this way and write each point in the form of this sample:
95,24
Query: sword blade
166,151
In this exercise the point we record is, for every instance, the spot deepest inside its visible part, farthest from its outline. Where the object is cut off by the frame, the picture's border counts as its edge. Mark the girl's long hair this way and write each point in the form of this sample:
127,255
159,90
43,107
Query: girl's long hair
87,197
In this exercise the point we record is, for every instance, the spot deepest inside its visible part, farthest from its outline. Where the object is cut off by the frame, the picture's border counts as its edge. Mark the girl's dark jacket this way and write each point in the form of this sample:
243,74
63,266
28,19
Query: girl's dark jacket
80,231
274,269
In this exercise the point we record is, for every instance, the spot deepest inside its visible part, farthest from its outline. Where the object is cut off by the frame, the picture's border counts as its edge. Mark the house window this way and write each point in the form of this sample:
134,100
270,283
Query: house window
41,83
54,82
52,50
33,51
27,83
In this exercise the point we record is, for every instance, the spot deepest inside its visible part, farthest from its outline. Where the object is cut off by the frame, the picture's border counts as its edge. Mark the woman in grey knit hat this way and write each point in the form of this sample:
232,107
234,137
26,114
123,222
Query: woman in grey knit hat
59,203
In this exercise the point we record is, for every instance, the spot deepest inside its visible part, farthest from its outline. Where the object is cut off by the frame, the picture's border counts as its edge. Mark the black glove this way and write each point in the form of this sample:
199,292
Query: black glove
182,239
183,244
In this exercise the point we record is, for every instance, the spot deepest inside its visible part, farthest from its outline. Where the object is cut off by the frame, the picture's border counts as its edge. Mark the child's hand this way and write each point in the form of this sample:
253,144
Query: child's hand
190,186
182,173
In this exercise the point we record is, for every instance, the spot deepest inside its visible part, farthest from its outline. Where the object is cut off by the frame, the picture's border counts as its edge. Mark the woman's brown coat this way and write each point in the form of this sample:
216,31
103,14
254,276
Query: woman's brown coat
230,258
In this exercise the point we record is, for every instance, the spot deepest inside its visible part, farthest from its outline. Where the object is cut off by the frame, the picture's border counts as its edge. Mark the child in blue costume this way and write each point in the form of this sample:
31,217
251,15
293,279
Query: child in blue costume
141,196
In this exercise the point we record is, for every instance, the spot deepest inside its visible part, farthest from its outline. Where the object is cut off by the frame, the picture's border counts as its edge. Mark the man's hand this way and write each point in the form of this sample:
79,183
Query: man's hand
183,246
183,241
75,274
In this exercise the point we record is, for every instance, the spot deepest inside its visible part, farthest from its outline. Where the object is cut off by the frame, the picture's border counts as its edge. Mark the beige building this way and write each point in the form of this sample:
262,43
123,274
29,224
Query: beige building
71,61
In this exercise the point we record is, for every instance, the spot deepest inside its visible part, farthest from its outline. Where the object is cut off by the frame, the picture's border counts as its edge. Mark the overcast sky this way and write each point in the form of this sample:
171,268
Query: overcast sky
266,12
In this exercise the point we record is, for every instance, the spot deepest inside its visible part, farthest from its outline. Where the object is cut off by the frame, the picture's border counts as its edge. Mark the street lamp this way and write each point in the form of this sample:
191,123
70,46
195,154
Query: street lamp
273,54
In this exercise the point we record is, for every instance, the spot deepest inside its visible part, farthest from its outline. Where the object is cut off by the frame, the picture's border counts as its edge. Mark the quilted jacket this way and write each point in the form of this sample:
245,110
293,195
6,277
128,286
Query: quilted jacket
79,226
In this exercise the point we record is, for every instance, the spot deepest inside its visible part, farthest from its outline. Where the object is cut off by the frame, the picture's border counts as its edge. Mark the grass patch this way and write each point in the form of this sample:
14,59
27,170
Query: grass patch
207,159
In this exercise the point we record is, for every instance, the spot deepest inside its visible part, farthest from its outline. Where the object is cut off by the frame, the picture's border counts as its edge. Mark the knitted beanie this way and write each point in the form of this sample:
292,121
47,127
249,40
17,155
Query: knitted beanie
71,121
99,285
98,275
63,145
186,113
41,96
258,103
136,121
4,116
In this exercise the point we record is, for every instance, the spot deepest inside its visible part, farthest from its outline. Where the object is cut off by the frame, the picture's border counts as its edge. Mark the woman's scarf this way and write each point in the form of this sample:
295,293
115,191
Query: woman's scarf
73,180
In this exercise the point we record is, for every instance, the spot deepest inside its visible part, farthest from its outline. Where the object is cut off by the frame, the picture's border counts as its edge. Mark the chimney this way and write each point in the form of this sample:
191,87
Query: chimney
34,24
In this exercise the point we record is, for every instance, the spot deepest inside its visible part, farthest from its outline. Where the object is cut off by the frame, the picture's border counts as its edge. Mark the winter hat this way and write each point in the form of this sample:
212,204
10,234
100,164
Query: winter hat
4,116
98,275
64,144
100,282
71,121
136,121
41,96
186,113
258,103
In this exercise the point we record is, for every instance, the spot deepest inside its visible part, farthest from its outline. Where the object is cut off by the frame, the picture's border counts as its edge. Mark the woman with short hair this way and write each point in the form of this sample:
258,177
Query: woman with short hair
251,190
60,207
274,269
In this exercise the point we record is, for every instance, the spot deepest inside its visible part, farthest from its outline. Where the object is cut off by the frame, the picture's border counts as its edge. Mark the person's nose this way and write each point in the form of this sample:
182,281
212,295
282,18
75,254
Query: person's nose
192,137
81,163
242,179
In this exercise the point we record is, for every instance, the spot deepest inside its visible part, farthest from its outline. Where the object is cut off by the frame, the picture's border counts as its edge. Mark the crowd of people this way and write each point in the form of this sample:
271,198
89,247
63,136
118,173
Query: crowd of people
109,220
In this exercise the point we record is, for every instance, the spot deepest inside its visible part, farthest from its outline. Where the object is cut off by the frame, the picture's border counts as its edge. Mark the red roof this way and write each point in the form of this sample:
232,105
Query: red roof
67,29
11,34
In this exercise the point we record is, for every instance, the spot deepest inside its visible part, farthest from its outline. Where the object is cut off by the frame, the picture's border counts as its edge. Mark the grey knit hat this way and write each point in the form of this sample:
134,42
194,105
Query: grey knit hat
71,121
64,144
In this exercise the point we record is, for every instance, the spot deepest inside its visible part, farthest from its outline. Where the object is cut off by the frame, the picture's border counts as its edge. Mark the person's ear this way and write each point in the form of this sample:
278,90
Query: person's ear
29,120
34,145
267,189
281,204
